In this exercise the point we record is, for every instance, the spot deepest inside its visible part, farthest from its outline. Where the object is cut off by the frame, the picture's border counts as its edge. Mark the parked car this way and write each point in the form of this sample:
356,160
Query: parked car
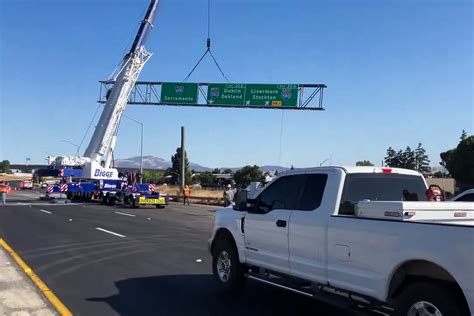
26,185
366,235
466,196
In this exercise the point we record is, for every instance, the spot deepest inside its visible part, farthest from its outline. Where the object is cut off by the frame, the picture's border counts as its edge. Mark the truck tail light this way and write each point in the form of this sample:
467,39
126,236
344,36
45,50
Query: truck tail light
386,170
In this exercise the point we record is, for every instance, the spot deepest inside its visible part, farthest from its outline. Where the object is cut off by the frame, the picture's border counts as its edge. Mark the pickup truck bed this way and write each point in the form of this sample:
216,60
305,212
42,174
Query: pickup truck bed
456,213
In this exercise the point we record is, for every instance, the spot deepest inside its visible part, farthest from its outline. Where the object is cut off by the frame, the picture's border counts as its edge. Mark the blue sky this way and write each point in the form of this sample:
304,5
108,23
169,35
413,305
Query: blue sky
398,73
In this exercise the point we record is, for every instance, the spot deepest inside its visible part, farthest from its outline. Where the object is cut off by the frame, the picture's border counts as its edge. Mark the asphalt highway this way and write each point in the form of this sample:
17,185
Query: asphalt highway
102,260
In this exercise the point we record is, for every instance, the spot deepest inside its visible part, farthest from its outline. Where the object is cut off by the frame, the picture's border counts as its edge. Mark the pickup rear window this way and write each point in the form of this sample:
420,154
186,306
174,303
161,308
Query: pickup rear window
380,187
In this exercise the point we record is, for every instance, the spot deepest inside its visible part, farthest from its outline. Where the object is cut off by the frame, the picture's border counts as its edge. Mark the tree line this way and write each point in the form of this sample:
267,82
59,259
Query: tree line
458,162
242,177
5,166
415,159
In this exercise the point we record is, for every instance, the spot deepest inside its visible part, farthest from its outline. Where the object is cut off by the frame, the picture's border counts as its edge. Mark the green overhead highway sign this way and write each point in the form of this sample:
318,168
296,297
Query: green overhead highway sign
179,93
225,94
252,94
271,94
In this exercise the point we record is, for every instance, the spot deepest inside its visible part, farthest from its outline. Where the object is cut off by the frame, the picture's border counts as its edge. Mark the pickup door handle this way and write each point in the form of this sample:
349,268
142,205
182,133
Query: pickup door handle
281,223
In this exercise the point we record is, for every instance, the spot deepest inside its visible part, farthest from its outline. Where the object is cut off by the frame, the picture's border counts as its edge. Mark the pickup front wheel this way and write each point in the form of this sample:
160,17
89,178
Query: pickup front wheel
424,298
226,268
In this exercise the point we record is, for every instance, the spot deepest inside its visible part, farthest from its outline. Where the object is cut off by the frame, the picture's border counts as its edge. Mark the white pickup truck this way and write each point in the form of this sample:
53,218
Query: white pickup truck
367,235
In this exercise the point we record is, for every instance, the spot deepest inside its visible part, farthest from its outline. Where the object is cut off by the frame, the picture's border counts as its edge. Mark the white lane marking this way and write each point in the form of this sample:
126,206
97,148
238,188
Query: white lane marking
109,232
40,204
126,214
45,211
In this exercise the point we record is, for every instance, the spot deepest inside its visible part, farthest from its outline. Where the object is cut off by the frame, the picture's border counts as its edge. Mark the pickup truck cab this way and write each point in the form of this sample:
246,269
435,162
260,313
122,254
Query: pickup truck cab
363,234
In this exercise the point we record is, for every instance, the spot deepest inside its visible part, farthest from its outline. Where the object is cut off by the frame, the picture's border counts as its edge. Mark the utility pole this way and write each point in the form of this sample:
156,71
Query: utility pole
141,153
183,160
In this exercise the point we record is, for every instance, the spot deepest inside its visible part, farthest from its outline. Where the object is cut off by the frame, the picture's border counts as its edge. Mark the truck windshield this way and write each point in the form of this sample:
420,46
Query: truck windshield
380,187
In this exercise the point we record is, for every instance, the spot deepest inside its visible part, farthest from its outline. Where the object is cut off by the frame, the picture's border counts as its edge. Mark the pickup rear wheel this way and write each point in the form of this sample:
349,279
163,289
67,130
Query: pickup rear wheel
425,298
226,267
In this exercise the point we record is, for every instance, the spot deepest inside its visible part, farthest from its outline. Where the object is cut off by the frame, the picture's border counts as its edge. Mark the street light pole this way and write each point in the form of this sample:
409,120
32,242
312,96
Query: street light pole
74,144
322,162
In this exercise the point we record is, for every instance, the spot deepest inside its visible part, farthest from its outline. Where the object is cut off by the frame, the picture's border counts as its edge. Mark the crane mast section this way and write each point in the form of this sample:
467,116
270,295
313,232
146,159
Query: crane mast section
102,142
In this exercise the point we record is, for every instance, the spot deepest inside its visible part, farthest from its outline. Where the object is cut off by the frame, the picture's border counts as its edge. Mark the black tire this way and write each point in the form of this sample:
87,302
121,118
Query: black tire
105,199
159,206
134,203
111,200
234,279
440,297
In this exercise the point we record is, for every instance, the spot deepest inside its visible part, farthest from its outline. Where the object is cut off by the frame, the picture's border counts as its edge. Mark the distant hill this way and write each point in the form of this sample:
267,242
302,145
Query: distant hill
265,168
151,162
273,168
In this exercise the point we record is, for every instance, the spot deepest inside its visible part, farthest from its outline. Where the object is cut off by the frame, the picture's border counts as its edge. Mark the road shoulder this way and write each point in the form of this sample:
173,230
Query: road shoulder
21,291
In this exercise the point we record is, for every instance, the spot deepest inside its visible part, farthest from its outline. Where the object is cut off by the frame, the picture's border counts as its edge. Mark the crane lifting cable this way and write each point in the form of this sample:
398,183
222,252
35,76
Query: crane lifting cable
208,47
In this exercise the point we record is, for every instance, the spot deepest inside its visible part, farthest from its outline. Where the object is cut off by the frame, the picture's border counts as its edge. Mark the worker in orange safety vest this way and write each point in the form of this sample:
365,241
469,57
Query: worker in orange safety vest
186,193
4,189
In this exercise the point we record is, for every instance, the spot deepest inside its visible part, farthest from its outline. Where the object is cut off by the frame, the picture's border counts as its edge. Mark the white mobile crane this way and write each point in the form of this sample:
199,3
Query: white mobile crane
92,175
95,163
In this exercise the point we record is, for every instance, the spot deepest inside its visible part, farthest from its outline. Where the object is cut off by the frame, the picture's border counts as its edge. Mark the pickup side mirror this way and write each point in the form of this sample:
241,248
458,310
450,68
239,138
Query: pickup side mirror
241,201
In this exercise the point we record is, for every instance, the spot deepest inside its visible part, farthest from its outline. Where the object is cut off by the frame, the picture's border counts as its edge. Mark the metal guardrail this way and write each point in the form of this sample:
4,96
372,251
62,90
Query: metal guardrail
199,200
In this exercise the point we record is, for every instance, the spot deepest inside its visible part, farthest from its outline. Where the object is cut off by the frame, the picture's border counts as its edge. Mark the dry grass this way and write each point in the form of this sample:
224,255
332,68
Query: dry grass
9,177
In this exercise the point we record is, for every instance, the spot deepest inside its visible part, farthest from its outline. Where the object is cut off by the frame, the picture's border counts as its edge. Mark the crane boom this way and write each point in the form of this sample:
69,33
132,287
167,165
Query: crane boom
103,140
95,163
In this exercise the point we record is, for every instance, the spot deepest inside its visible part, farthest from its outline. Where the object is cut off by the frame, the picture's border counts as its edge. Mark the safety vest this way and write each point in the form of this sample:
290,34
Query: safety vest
186,191
3,188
